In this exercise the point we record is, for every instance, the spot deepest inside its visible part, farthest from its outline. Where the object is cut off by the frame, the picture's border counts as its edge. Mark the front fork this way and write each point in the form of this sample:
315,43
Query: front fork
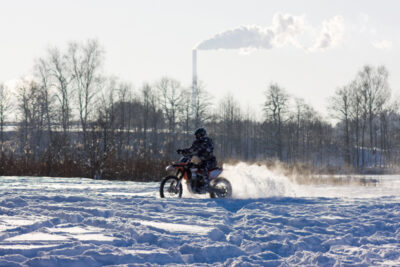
179,175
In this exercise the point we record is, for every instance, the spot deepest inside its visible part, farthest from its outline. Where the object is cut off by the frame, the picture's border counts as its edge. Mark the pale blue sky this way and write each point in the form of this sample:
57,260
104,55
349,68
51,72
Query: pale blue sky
145,40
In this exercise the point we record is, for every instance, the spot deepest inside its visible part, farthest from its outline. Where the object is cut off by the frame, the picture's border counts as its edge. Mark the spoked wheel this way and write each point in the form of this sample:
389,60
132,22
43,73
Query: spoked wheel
169,187
221,188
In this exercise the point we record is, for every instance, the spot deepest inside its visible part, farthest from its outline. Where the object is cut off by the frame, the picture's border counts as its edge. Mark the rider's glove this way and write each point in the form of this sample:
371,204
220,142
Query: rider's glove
179,151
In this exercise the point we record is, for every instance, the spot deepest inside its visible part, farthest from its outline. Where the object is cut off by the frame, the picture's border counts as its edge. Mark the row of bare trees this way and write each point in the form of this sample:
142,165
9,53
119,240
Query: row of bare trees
70,119
369,119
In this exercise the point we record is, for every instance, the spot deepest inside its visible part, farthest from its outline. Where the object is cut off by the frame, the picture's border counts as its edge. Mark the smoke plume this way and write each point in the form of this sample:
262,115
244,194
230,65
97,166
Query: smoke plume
286,29
332,34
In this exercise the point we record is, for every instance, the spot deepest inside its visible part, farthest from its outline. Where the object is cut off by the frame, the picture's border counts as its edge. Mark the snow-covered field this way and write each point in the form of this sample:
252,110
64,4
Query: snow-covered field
270,221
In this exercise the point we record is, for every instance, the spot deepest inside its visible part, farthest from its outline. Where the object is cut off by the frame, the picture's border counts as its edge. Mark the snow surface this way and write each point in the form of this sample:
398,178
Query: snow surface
271,221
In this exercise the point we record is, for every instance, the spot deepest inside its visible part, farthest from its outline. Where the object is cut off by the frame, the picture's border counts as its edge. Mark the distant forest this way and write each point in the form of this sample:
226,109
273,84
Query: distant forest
71,119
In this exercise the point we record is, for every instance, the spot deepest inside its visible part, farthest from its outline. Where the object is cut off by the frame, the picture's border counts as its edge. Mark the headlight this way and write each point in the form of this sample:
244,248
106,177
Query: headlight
195,160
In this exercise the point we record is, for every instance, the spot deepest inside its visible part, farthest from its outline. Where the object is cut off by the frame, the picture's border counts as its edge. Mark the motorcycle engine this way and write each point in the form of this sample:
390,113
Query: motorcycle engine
196,183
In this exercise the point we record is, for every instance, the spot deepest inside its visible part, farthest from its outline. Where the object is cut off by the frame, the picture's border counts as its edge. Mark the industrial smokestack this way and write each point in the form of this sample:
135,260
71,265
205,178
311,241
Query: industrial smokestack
194,85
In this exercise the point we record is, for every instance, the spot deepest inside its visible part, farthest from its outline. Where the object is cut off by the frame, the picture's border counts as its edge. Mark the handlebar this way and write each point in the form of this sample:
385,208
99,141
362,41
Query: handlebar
184,152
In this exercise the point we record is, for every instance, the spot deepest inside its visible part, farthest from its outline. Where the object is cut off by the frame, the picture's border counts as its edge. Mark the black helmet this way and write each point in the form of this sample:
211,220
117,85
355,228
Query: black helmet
201,132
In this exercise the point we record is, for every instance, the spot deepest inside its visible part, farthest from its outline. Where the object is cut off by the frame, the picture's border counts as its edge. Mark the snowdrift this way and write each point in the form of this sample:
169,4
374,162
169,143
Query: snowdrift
271,221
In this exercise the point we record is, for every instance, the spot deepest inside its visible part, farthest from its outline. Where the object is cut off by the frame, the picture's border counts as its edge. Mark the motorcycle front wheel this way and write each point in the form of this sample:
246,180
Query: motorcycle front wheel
222,188
170,187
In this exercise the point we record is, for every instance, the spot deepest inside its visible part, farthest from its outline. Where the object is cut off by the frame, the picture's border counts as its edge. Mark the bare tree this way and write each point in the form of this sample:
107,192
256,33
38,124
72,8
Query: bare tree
229,114
249,131
123,117
303,117
42,74
171,103
151,102
340,107
147,112
85,61
275,108
102,142
33,117
5,108
61,80
300,107
202,107
186,115
375,92
107,114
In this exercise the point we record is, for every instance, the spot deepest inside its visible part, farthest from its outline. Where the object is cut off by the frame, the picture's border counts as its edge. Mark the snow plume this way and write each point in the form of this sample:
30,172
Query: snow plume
261,181
256,181
286,29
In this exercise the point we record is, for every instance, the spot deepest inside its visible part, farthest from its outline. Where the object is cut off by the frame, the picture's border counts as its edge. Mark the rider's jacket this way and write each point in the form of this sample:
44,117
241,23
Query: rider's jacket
203,147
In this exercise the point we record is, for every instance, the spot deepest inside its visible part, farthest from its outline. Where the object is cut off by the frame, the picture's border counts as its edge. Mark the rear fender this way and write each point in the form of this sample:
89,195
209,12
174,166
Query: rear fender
214,173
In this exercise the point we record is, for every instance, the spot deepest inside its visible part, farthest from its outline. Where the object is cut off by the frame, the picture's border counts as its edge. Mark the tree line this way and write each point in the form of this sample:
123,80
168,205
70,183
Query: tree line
71,119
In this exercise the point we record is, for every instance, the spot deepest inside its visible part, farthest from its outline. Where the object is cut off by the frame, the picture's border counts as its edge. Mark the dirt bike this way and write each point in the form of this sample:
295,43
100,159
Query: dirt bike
188,169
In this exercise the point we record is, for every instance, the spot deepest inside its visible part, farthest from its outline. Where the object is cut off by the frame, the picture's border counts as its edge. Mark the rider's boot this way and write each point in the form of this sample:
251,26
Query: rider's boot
206,180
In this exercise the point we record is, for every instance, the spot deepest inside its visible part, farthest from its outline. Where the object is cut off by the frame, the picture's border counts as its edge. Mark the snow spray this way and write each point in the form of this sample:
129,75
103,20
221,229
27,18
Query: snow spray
256,181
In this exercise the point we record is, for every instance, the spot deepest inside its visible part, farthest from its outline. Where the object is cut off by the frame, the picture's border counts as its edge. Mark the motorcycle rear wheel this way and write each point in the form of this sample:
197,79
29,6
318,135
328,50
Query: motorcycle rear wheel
169,187
222,188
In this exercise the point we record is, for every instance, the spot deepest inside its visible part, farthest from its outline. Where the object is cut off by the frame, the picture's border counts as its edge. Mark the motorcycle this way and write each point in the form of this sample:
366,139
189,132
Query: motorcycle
188,169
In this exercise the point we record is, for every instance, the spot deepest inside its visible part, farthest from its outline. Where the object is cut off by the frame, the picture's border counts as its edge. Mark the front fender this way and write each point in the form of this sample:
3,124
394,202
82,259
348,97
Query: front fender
170,168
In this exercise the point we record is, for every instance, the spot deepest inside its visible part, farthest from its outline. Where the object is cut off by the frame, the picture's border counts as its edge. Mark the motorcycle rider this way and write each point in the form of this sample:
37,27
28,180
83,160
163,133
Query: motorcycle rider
203,147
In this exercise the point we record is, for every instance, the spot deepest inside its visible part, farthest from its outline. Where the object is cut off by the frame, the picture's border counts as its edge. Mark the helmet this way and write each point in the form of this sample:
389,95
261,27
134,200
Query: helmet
201,132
